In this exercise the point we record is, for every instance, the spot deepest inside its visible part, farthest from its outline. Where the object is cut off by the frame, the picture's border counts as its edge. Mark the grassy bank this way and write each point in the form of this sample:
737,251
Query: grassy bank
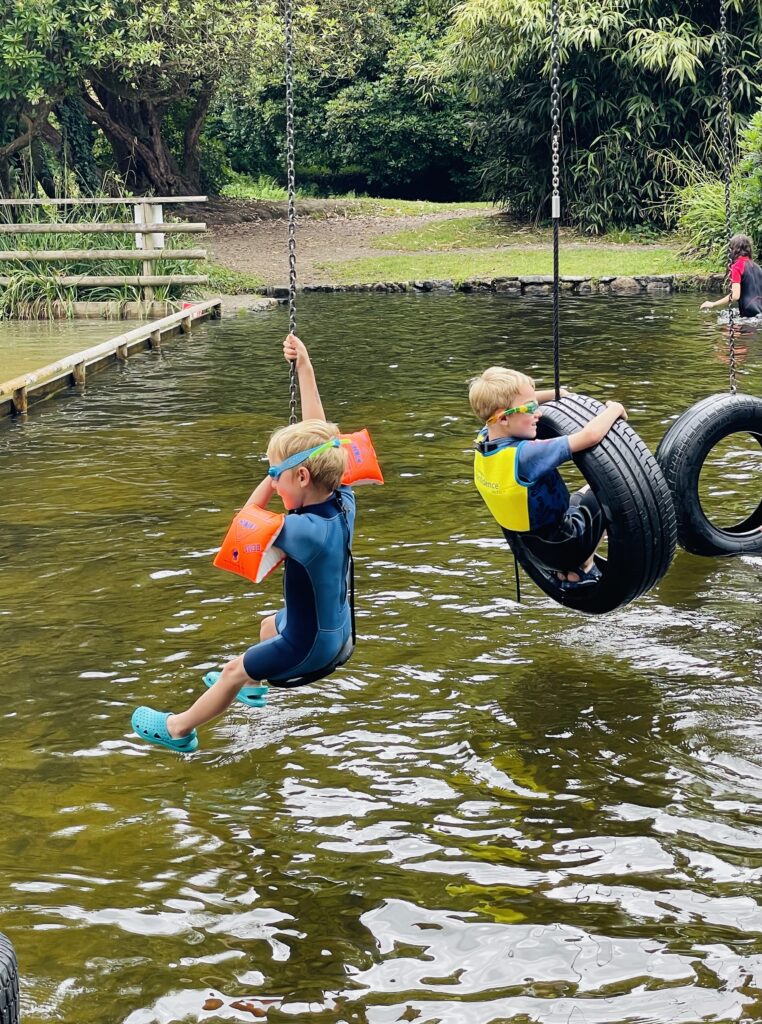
485,232
224,281
585,260
462,247
351,208
497,230
266,189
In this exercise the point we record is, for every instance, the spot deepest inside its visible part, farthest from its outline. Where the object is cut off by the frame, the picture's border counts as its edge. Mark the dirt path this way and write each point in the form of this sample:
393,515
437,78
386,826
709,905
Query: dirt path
251,236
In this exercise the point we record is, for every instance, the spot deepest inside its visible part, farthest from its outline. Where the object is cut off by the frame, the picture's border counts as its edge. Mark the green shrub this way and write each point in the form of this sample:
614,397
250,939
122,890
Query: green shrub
702,220
640,84
701,204
242,186
750,183
388,141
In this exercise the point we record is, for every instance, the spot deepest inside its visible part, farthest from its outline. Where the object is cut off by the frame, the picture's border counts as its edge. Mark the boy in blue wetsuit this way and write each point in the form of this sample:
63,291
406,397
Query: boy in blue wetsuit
518,477
314,627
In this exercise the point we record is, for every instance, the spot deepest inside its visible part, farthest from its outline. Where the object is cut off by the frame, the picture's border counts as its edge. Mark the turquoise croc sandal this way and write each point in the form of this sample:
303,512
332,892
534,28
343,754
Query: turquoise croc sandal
151,726
251,696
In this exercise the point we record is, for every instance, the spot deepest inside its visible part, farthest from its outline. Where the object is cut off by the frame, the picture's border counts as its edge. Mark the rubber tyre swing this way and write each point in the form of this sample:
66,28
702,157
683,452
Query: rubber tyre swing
637,506
9,983
682,454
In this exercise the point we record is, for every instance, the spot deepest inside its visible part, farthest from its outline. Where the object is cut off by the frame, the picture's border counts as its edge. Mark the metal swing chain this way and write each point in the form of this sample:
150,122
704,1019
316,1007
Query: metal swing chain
555,114
291,174
727,160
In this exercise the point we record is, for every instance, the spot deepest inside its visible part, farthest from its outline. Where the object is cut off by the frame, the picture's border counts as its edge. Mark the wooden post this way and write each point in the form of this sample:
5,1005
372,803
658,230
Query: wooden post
148,214
121,353
20,402
156,341
79,373
185,325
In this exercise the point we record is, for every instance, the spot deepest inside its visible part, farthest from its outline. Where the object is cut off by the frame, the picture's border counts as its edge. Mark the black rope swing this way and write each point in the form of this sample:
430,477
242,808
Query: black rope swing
347,650
622,473
686,445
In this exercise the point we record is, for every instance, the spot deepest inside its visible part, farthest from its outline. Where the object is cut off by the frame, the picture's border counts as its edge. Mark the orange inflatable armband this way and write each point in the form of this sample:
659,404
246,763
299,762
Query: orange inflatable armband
362,461
248,548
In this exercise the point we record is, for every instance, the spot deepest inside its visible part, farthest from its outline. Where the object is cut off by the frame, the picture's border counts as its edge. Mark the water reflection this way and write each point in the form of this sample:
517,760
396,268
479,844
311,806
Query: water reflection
495,812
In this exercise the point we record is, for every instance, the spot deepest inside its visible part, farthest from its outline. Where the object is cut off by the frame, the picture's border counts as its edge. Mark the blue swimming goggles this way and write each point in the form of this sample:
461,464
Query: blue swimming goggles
296,460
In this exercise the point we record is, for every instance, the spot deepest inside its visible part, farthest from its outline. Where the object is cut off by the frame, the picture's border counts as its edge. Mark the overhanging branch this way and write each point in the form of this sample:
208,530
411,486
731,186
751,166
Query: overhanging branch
36,125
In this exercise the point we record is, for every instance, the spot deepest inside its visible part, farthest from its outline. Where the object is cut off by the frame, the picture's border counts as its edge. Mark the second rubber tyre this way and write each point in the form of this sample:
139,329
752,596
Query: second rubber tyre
682,453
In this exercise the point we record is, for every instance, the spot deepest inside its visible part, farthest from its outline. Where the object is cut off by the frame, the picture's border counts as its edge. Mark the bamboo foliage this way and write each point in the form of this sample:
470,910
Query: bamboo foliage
640,78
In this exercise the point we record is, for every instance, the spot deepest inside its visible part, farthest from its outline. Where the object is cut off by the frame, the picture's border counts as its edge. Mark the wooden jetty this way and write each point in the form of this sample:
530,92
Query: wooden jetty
17,395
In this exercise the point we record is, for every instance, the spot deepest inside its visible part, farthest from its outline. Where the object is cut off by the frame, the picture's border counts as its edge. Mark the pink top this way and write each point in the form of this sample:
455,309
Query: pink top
737,269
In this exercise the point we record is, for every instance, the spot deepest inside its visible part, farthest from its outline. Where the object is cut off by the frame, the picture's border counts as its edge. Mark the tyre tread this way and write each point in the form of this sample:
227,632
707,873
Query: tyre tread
9,983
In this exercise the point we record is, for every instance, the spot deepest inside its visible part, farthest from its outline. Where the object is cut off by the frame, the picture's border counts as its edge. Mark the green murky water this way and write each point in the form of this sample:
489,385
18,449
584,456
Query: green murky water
495,813
27,346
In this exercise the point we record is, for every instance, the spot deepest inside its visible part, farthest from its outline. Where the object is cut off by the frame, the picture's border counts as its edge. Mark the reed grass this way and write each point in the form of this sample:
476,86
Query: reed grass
35,291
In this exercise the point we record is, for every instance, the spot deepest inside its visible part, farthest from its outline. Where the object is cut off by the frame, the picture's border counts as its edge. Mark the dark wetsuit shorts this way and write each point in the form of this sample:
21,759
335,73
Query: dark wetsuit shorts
568,544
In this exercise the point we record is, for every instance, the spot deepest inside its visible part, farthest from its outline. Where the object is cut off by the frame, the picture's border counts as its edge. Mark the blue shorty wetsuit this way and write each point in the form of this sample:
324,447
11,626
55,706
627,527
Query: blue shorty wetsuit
316,621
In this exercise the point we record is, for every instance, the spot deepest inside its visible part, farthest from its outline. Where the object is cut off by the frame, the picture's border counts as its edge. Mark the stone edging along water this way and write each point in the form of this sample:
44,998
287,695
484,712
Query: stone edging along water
640,284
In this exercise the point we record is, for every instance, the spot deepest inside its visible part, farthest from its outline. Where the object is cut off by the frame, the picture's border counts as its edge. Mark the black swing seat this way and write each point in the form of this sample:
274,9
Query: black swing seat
637,509
312,677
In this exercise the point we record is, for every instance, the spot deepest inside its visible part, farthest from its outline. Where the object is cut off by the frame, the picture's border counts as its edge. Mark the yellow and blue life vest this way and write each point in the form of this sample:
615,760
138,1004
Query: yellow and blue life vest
516,505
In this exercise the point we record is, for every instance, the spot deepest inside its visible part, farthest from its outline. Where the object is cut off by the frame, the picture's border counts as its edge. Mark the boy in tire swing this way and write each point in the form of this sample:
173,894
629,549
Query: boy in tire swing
517,475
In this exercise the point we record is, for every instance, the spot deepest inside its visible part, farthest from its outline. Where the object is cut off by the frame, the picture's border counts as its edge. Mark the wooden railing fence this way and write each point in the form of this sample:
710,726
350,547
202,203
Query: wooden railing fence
147,226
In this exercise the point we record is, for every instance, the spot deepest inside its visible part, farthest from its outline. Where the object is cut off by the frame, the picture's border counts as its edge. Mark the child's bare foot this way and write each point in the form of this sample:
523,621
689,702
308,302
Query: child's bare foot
175,728
588,573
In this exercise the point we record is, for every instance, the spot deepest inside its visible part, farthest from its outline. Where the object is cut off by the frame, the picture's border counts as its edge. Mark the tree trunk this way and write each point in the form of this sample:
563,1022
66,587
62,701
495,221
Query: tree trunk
133,127
41,167
27,124
193,128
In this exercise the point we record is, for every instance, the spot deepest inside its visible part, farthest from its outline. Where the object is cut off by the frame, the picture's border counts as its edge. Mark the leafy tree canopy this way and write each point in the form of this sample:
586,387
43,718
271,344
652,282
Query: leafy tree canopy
361,121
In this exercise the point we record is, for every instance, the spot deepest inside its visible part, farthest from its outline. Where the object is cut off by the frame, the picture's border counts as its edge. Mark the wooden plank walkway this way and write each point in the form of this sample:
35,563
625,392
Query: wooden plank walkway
17,395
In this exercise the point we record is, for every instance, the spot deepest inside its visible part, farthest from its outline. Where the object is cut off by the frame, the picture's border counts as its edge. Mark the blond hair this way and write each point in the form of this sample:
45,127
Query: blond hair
495,390
326,468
